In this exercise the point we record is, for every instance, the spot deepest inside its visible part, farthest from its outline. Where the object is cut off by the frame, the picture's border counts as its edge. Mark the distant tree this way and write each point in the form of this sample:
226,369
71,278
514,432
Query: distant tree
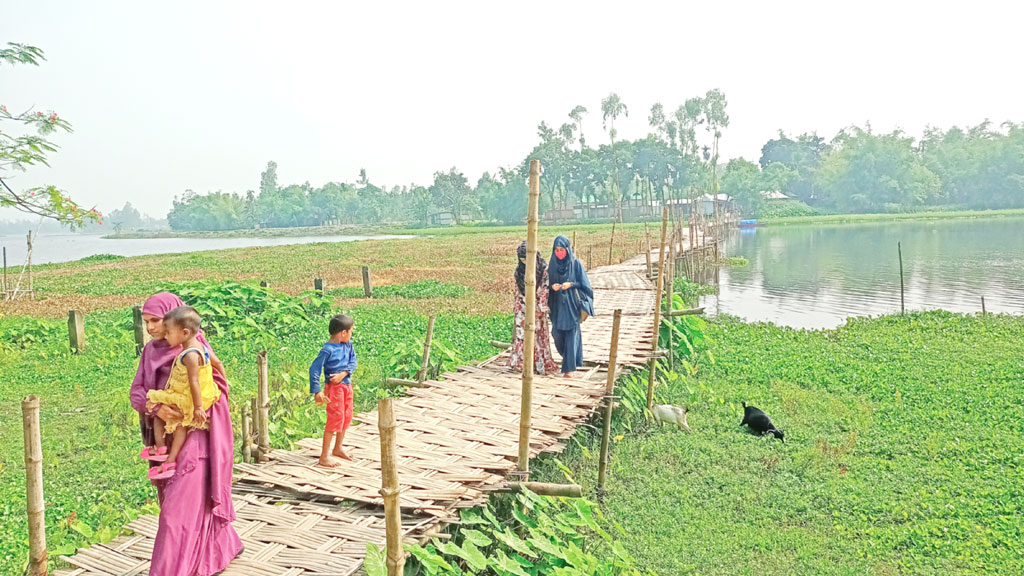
451,191
20,151
742,180
421,204
127,217
268,179
802,155
576,114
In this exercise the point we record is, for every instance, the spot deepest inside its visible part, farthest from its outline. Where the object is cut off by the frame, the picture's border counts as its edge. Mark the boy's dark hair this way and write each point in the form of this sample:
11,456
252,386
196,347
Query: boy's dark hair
184,317
340,323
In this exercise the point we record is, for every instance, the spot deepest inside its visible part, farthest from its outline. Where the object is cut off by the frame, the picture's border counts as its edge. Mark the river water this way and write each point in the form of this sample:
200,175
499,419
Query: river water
815,276
67,247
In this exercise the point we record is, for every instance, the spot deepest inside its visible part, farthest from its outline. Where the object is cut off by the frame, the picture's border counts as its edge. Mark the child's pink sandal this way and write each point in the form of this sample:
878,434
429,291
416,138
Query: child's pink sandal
162,472
154,453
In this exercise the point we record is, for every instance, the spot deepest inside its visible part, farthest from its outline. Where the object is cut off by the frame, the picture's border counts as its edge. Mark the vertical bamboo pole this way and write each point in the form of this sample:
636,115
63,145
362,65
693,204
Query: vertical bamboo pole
34,502
657,311
647,250
590,257
263,389
254,427
389,487
609,390
141,337
574,242
4,288
670,296
899,249
76,331
983,305
246,435
523,464
611,244
367,286
318,286
31,290
422,375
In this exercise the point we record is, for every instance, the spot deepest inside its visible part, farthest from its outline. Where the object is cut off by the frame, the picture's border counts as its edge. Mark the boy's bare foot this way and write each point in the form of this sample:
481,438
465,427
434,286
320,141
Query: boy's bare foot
341,454
568,375
328,462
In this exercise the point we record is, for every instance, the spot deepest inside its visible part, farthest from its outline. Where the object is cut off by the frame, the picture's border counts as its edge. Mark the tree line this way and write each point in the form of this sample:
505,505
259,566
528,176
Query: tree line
857,171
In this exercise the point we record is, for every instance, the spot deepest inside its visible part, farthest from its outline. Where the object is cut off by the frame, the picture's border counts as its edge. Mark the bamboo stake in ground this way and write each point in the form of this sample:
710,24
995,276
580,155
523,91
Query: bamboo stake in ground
611,244
264,284
140,330
3,290
653,366
76,331
318,286
899,249
34,502
574,242
31,289
647,250
609,390
246,435
523,463
263,391
389,487
422,374
254,427
367,286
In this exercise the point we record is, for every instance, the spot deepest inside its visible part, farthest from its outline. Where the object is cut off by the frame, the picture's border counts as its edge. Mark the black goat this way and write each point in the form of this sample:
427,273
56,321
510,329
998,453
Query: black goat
760,423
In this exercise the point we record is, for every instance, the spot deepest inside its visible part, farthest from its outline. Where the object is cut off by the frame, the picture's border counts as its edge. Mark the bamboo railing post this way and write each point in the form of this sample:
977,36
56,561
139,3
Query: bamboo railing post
670,297
523,463
254,427
76,331
34,502
318,286
647,234
246,435
609,391
367,286
389,487
611,244
653,366
263,391
422,375
140,330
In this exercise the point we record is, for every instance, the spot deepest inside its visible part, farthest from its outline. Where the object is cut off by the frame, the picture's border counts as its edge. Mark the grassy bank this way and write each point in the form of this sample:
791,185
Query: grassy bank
903,453
859,218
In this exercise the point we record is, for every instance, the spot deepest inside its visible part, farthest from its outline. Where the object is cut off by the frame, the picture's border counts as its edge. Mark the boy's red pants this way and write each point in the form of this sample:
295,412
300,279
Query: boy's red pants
339,407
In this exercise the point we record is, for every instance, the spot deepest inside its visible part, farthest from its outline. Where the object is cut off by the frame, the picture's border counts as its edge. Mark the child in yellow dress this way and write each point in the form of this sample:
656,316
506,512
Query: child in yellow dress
190,387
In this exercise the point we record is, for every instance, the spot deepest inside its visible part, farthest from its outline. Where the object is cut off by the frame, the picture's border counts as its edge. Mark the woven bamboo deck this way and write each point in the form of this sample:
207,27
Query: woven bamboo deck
457,440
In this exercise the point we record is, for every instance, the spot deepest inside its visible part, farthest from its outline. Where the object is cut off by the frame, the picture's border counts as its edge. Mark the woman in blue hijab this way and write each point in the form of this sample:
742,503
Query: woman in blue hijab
571,296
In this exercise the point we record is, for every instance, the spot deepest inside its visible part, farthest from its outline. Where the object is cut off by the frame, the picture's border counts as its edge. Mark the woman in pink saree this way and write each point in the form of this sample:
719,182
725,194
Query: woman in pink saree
195,536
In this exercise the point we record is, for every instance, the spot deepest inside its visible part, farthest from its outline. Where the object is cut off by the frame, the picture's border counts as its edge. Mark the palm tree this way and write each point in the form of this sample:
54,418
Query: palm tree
611,108
576,114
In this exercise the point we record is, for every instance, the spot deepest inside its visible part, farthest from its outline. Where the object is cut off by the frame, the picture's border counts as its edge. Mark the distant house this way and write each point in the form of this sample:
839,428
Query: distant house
443,218
773,195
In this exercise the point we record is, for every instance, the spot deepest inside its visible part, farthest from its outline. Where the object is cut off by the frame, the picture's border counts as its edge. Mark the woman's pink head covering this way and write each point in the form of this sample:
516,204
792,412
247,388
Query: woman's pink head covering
162,303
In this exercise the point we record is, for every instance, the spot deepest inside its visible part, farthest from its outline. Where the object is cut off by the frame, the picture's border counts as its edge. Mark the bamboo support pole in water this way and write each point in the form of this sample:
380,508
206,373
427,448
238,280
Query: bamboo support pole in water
425,364
653,366
982,305
609,391
76,331
899,250
367,286
34,502
263,399
523,462
139,327
389,486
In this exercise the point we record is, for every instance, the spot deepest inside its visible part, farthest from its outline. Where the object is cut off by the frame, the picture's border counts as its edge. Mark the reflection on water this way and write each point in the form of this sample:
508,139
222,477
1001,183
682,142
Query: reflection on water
67,247
817,276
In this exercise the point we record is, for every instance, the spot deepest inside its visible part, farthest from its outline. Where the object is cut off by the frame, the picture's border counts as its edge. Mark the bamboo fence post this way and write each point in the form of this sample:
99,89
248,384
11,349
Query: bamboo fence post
574,242
652,371
899,249
34,502
389,490
140,330
422,375
76,331
611,244
609,390
31,290
318,286
4,290
982,305
367,286
647,251
254,427
590,256
263,389
670,299
246,435
523,463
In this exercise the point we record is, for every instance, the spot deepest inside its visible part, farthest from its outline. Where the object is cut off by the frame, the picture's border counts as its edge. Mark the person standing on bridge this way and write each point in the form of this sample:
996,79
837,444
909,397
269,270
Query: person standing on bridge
543,361
571,300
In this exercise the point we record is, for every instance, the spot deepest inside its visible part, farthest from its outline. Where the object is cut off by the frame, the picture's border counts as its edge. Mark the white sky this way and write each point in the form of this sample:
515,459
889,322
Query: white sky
166,96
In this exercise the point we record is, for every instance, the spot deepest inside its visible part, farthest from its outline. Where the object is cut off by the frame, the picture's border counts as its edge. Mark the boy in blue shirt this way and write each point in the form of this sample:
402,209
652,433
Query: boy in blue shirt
336,361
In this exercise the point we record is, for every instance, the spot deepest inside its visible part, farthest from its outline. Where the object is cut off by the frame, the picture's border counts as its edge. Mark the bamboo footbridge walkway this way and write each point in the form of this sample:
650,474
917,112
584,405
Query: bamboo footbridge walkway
457,441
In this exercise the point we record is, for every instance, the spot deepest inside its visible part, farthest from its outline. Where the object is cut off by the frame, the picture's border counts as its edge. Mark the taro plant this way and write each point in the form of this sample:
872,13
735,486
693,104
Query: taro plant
241,311
541,535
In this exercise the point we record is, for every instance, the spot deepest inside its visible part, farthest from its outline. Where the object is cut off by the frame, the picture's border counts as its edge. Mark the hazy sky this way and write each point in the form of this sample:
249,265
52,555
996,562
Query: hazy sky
166,96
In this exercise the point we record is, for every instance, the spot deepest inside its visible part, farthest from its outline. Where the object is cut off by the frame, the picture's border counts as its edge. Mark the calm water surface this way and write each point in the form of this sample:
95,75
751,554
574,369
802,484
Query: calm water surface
67,247
816,276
